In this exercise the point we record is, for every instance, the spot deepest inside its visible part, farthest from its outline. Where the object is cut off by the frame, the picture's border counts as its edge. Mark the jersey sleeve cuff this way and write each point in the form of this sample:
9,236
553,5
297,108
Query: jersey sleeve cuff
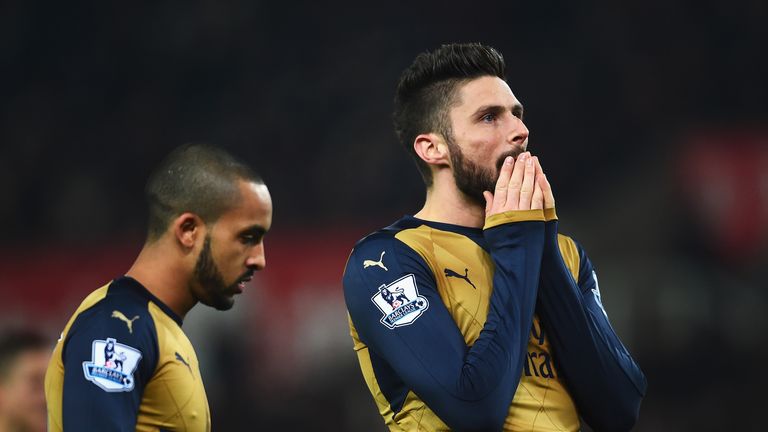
549,214
514,216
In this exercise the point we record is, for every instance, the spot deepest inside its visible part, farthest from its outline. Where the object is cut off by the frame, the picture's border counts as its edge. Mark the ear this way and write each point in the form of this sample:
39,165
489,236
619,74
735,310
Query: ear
187,229
432,149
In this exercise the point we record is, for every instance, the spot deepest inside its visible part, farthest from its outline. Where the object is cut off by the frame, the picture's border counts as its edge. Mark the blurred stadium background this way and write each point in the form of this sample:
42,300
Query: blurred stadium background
649,116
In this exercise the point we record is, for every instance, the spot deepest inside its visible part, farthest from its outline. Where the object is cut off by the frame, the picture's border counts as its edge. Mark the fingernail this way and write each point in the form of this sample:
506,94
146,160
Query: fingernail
508,160
529,162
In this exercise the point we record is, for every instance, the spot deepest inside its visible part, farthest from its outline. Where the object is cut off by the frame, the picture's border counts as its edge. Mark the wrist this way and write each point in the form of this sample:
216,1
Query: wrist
512,216
550,214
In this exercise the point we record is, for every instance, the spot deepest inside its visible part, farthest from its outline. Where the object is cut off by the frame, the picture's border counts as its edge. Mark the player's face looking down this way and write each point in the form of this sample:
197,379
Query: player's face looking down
487,126
233,249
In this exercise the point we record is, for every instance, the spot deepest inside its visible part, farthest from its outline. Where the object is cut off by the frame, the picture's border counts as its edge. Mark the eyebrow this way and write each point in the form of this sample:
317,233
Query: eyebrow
516,109
256,230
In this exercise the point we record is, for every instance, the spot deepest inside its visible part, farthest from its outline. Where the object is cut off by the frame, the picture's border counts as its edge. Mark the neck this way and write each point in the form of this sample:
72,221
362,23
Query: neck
162,274
446,203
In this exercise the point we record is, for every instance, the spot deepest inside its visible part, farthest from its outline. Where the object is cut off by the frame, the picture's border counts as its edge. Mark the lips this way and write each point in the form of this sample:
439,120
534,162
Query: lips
244,280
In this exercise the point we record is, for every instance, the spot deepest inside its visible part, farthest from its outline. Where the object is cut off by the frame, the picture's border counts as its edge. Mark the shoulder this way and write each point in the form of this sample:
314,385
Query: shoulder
568,248
573,254
382,246
381,258
113,313
377,239
387,236
575,257
111,339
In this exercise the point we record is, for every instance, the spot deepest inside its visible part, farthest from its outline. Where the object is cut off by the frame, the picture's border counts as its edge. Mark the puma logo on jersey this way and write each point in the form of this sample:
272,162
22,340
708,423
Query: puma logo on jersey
129,322
380,263
181,359
451,273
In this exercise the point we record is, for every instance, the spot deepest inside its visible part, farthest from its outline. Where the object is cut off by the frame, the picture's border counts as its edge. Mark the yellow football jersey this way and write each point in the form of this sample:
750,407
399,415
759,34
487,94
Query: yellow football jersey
450,267
124,363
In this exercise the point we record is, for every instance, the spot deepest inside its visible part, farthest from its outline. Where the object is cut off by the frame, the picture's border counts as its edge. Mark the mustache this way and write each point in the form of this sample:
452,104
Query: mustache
514,153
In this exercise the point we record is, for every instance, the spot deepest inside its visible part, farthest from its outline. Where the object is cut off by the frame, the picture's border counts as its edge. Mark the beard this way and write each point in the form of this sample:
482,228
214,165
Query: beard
216,293
471,178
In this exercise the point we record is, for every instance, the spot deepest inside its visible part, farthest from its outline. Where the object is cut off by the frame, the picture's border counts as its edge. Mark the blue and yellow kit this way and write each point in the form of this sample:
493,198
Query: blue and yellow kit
499,328
123,363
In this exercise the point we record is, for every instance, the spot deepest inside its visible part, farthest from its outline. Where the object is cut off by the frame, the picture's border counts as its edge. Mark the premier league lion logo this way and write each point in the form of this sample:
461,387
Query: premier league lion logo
400,302
112,365
395,299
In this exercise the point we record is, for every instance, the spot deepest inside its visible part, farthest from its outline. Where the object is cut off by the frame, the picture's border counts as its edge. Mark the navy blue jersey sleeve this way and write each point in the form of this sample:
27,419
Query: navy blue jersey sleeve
109,356
400,316
606,383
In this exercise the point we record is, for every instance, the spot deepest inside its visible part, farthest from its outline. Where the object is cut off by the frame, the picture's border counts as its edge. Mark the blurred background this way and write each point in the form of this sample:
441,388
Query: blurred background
650,118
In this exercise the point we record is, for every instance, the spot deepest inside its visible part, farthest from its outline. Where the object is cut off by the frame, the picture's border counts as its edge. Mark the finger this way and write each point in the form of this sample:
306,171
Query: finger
488,202
538,197
526,190
500,195
516,182
546,189
539,169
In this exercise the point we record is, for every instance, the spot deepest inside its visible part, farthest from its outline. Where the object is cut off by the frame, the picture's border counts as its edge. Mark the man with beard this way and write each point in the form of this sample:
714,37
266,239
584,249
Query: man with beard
503,326
208,213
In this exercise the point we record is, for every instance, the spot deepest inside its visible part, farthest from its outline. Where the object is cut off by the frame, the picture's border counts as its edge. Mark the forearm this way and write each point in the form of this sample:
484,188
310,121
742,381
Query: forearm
493,365
516,252
606,383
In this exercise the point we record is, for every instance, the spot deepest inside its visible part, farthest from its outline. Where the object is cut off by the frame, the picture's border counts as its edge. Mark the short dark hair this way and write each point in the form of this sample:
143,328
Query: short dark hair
197,178
428,88
14,342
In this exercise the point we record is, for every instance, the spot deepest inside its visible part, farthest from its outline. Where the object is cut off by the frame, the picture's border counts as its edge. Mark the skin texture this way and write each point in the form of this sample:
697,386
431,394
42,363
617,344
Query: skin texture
483,169
238,251
22,399
195,261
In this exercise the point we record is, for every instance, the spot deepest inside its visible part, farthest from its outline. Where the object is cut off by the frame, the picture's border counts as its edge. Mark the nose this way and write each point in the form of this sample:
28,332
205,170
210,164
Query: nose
256,259
518,134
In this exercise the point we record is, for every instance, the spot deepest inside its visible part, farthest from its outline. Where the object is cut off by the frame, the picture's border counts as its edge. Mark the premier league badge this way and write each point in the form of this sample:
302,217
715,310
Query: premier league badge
400,302
112,365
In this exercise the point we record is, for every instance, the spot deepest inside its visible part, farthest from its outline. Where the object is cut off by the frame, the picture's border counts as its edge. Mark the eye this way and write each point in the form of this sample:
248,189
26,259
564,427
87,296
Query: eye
250,239
489,118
